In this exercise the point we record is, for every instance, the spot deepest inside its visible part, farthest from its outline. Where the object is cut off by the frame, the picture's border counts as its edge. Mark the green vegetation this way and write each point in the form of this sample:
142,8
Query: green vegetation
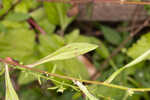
47,55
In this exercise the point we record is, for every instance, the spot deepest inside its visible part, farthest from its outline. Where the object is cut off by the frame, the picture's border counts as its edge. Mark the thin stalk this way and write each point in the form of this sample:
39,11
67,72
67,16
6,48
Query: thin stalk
41,75
11,62
126,96
134,62
146,95
101,1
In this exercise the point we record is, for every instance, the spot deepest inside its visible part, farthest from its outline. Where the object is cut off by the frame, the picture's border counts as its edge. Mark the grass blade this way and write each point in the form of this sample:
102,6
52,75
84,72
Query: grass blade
10,92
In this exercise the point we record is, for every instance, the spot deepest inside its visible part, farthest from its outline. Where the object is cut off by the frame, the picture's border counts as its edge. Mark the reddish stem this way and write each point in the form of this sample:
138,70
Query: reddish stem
101,1
32,22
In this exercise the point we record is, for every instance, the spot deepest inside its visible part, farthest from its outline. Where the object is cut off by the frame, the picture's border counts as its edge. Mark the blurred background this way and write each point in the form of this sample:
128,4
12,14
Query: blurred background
32,29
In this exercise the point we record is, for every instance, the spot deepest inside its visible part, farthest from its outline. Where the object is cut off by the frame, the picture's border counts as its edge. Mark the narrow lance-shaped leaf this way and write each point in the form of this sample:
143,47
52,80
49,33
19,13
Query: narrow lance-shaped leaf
67,52
137,60
10,92
85,90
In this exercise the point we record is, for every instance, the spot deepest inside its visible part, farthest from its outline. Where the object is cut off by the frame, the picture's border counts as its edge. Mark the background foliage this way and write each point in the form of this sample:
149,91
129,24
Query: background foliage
26,42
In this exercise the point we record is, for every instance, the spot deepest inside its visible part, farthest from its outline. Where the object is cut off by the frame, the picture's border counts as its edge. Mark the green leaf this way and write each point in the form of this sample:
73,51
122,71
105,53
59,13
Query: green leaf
102,51
6,5
57,14
77,68
73,36
69,51
142,45
49,44
14,24
25,78
17,16
3,29
26,5
38,14
51,11
111,35
10,92
17,43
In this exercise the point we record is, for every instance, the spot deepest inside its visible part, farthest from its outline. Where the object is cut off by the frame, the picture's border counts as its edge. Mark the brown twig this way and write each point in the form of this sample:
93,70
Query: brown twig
1,6
134,24
14,63
129,29
100,1
132,34
33,23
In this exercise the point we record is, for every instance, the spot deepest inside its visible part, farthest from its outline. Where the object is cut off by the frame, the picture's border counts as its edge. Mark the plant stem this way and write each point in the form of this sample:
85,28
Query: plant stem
126,96
11,62
134,62
101,1
32,22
